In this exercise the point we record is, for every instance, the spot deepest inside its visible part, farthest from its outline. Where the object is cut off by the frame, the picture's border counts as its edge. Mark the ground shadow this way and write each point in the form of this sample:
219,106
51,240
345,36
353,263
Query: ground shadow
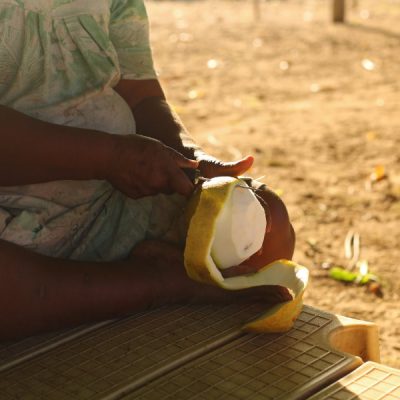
374,29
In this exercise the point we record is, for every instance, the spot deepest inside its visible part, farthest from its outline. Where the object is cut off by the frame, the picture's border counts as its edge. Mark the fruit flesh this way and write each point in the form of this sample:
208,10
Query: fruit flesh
235,239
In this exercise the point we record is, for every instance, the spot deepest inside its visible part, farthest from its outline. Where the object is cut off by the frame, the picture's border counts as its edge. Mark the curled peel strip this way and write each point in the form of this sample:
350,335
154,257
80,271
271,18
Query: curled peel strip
208,202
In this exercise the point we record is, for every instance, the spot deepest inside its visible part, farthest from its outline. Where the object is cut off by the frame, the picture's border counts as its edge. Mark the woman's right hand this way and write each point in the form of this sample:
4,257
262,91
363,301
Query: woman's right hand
140,166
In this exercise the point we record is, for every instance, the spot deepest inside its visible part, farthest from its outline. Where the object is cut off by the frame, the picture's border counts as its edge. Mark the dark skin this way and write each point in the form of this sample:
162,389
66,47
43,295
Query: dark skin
39,293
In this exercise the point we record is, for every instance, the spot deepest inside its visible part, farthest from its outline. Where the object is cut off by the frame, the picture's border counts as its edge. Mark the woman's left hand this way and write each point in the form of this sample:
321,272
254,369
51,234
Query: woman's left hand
279,241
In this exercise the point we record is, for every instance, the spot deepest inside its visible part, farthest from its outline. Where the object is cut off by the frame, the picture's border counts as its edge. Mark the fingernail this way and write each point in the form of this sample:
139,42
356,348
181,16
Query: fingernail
249,157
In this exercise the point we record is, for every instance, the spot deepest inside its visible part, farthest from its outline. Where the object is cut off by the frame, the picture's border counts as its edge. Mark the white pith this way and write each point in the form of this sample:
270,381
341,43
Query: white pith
239,228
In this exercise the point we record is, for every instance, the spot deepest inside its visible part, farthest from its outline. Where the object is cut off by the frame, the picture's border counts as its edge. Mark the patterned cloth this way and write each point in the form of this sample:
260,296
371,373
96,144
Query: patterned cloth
59,62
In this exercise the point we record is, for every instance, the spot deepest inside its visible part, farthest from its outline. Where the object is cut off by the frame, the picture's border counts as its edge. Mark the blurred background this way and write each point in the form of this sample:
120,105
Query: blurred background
318,104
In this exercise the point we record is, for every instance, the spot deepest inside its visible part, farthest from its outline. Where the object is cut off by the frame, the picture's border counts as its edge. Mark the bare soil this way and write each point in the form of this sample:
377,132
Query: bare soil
318,105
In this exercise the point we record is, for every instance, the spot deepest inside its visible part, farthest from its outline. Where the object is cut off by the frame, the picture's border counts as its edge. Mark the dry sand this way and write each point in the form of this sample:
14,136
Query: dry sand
318,104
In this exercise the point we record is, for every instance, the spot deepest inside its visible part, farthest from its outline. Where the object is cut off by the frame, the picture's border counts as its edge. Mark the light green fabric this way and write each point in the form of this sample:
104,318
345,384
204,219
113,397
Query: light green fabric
59,62
61,58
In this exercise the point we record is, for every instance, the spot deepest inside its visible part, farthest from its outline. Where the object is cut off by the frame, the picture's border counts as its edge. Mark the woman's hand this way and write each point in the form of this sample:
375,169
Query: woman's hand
155,118
164,265
279,240
141,166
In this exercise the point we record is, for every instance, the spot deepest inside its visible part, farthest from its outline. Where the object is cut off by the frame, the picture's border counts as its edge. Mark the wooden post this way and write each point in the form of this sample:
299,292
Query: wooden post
256,10
339,10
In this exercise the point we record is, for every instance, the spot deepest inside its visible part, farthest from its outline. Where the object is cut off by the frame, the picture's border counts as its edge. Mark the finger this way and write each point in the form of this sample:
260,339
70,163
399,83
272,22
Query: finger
234,168
239,270
181,160
167,190
270,294
133,193
180,183
140,190
238,167
265,294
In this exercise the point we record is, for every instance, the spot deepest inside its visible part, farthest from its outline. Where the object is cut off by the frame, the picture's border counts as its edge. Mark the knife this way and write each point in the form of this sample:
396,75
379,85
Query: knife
194,175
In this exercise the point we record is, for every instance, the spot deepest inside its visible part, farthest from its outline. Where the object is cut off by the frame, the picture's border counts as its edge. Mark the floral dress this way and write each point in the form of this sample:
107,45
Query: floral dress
59,62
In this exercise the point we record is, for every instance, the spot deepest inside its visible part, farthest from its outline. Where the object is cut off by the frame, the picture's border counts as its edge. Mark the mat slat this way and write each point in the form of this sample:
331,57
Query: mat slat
126,352
13,353
371,381
261,367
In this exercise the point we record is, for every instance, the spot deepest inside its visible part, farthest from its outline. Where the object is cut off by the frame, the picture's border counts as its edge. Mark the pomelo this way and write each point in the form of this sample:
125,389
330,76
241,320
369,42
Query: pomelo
226,227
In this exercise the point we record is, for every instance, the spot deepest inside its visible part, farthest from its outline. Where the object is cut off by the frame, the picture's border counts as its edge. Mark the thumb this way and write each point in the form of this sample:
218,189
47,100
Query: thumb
234,168
182,161
241,166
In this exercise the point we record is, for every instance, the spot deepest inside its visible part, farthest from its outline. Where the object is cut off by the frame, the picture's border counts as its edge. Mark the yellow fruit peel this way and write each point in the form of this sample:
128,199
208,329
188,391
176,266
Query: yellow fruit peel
205,206
281,317
198,262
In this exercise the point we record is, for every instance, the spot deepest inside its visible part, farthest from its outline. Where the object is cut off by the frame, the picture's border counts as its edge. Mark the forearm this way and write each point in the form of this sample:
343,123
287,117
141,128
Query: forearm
154,117
33,151
40,293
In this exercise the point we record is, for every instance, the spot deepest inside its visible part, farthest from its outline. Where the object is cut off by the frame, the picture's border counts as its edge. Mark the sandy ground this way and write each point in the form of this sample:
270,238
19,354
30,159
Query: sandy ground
318,104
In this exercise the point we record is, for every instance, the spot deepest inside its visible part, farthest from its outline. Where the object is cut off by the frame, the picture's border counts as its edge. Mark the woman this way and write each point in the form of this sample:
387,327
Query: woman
89,209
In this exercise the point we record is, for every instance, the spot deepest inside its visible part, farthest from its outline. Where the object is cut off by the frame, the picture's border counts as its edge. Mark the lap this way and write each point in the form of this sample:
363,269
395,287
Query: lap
63,220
